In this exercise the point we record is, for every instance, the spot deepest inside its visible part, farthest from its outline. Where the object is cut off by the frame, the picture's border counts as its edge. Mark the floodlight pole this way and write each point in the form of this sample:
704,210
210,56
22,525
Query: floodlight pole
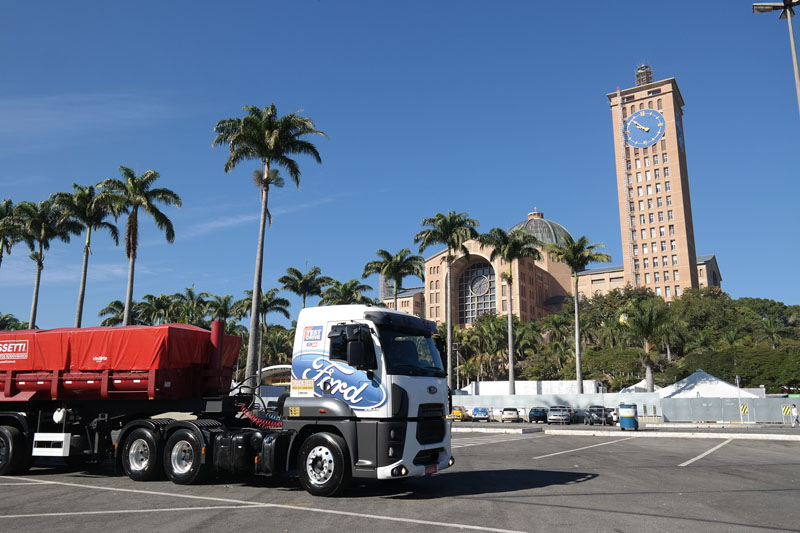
786,12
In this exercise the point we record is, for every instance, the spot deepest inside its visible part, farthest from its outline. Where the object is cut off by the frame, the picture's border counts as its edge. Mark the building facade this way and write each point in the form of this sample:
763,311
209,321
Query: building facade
653,186
538,288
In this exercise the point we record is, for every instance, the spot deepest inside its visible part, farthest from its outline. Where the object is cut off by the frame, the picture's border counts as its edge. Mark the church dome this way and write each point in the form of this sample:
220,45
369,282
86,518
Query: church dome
547,231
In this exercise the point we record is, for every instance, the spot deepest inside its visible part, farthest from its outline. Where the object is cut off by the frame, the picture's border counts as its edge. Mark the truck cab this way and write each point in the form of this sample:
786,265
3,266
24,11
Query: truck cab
369,384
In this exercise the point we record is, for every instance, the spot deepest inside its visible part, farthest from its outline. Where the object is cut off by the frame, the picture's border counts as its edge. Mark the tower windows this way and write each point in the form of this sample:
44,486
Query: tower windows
661,216
641,219
638,191
662,231
669,215
652,233
658,201
638,163
658,188
664,157
641,205
649,203
669,200
638,177
666,290
647,277
664,246
667,186
673,245
647,175
656,277
651,218
647,161
658,291
645,263
671,229
657,173
658,103
650,190
630,179
666,275
650,104
666,172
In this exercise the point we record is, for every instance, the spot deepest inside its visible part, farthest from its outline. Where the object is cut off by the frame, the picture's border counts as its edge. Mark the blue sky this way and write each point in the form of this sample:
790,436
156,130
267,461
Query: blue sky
486,108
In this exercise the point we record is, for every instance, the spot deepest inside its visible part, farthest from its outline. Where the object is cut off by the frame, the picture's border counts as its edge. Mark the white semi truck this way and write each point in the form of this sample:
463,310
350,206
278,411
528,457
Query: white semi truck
368,400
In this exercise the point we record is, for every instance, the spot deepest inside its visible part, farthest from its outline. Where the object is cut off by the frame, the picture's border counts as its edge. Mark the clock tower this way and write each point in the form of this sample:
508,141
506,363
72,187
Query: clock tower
653,186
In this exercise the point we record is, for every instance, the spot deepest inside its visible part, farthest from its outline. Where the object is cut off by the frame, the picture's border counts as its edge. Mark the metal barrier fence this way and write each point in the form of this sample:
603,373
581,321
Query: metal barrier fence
651,407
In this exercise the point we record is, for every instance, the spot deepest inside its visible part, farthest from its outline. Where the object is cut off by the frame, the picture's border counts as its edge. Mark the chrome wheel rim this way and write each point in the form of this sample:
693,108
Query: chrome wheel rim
181,457
139,455
319,465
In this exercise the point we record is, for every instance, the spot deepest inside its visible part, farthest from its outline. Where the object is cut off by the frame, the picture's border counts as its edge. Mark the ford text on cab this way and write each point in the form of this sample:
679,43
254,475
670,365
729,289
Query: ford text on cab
368,400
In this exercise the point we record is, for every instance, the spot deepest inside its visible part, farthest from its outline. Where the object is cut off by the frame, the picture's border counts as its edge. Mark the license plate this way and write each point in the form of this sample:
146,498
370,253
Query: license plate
430,469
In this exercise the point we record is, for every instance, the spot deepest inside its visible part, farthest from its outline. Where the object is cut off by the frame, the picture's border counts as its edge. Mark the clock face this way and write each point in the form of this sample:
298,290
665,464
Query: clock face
479,285
644,128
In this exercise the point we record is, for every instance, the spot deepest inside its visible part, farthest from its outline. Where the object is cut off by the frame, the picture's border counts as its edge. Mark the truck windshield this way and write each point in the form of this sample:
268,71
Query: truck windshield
410,354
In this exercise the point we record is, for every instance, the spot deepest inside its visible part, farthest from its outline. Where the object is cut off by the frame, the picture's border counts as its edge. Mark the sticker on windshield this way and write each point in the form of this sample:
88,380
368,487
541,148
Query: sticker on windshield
312,335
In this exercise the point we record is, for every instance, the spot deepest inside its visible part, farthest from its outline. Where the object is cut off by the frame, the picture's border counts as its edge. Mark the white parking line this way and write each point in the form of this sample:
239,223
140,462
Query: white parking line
715,448
476,441
244,504
126,511
582,448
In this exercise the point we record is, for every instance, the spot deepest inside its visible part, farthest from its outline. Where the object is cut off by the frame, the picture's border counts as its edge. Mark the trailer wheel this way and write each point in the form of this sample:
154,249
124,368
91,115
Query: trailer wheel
182,458
15,458
324,469
141,455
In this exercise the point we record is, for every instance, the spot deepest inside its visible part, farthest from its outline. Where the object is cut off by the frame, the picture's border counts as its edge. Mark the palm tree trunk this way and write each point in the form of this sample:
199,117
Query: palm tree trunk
395,295
82,290
34,304
126,319
449,318
578,370
511,376
254,343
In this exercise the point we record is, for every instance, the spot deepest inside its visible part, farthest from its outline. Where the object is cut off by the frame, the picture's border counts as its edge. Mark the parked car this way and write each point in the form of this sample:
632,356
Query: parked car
597,414
537,414
480,414
560,414
510,414
458,414
614,415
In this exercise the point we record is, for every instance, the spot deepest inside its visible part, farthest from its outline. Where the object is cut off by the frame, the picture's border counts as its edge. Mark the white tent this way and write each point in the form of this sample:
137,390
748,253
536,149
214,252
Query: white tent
703,385
639,387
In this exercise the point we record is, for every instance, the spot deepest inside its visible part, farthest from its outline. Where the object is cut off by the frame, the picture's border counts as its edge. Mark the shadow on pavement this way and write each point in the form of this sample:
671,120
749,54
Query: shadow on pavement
467,484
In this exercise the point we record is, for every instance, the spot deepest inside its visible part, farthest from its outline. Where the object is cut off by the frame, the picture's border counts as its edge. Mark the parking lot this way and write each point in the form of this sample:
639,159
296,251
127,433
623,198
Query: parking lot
501,482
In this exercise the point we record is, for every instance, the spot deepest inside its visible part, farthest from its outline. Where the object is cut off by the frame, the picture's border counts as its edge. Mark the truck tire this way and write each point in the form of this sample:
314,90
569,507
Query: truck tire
15,458
182,458
323,464
141,455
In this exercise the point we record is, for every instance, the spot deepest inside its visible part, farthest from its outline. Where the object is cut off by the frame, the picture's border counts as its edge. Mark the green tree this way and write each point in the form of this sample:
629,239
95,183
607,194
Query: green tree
347,293
223,308
265,136
9,322
772,331
42,223
129,195
11,231
115,311
89,208
510,247
577,255
396,267
452,230
647,322
190,307
155,310
304,285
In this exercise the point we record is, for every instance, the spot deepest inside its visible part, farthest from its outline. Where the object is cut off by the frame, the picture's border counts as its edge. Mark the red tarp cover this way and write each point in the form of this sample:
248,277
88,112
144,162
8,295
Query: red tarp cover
121,348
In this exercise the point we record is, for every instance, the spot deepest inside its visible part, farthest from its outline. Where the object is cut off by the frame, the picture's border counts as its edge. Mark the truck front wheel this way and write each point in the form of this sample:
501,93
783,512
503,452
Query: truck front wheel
15,458
141,455
182,458
323,465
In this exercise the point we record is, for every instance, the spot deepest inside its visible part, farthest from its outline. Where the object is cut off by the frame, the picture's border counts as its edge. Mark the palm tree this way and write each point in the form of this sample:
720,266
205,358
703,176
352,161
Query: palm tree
271,139
270,303
42,223
396,267
190,307
309,284
128,197
155,310
89,209
9,322
10,228
510,247
577,255
115,311
647,321
451,230
349,292
223,308
772,330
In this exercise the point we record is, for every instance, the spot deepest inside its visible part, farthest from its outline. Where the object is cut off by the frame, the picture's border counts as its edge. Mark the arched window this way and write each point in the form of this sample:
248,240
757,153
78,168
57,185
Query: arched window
658,103
633,109
476,292
437,284
650,104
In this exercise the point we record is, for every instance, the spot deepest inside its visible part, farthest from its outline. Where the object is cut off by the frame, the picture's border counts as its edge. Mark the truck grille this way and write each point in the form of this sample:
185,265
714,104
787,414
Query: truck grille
430,423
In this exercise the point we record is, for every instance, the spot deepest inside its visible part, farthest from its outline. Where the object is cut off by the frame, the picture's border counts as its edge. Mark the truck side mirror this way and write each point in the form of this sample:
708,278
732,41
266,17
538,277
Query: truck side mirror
356,355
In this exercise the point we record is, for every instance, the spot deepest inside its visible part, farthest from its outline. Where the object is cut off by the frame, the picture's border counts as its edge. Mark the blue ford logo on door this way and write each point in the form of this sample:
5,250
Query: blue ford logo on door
337,379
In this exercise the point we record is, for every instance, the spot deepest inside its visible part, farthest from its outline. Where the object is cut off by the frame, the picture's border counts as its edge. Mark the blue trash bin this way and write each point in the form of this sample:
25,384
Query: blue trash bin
628,417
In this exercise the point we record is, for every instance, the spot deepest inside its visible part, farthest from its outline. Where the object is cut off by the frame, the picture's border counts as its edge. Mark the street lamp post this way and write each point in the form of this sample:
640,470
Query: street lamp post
787,12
